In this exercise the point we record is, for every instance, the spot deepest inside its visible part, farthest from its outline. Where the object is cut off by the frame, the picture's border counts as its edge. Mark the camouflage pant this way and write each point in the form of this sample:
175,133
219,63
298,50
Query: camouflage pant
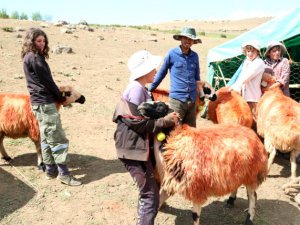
54,143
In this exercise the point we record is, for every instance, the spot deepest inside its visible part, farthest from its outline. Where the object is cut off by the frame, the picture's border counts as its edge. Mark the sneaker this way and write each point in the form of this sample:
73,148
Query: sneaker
50,176
69,180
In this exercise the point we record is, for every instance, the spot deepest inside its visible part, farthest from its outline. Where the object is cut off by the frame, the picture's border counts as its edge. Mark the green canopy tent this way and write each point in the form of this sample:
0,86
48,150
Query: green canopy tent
225,59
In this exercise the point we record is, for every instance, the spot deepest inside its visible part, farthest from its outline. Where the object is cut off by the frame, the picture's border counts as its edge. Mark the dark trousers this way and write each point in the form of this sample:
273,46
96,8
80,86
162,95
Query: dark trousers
142,174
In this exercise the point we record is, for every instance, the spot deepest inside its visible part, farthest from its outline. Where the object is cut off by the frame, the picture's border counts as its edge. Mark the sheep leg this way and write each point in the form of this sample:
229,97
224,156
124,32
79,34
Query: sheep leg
252,202
196,213
4,154
41,165
297,198
271,156
231,199
163,196
293,164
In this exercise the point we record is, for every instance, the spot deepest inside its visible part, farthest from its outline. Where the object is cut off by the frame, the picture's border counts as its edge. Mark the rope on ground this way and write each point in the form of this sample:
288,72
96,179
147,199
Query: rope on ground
34,186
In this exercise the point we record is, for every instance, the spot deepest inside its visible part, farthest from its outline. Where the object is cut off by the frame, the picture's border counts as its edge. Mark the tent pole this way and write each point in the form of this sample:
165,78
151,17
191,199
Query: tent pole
290,58
222,75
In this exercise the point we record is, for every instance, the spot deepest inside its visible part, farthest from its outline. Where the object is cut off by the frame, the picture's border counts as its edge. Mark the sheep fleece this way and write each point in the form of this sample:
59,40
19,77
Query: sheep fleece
279,120
230,107
16,117
212,161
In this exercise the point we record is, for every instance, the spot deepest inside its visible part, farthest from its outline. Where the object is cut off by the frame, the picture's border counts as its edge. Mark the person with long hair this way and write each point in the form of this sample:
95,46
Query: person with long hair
43,95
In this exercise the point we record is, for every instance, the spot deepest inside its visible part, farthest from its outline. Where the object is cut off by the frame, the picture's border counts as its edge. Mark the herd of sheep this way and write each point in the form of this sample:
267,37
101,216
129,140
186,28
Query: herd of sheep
201,162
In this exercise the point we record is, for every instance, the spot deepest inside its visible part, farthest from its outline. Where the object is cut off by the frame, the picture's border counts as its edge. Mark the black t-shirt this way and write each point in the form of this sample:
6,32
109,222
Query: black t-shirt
40,84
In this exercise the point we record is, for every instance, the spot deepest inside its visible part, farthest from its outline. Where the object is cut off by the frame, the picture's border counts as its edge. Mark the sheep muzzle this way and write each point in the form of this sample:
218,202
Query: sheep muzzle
81,100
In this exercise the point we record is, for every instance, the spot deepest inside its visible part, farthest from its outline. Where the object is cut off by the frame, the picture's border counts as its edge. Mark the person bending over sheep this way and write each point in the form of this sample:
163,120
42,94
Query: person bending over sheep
133,133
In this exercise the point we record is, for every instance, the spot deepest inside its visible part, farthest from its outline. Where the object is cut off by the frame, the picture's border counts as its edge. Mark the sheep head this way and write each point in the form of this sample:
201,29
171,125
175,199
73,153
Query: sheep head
205,90
153,109
71,95
267,80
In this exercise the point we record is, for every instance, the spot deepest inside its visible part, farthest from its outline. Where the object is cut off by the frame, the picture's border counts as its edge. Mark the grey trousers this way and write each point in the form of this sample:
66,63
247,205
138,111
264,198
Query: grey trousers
186,111
54,143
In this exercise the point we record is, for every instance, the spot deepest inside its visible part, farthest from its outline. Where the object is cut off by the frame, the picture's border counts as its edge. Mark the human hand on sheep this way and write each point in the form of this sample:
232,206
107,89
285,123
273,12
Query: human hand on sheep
172,117
230,89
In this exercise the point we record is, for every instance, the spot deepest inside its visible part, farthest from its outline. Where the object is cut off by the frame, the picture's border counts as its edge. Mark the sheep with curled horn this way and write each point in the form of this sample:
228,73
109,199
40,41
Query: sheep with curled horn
199,163
18,121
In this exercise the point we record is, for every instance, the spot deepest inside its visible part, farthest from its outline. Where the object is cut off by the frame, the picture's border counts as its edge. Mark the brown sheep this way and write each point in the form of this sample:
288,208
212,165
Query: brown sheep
18,121
230,107
198,163
279,124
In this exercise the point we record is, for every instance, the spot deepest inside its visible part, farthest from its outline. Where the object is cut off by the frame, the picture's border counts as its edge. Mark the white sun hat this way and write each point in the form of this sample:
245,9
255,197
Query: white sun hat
141,63
273,44
253,43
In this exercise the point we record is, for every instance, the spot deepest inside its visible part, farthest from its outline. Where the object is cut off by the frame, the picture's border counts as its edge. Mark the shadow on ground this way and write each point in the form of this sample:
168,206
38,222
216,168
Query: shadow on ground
9,200
90,168
268,212
284,161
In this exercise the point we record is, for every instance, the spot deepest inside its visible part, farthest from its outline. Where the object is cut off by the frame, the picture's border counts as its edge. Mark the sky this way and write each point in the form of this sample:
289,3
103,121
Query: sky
146,12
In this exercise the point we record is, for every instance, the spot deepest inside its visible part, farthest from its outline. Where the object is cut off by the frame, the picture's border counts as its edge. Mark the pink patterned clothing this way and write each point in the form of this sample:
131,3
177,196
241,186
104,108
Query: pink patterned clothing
281,71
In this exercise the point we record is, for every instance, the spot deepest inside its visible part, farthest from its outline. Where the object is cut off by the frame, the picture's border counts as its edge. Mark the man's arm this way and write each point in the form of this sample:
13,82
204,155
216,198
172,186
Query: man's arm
161,73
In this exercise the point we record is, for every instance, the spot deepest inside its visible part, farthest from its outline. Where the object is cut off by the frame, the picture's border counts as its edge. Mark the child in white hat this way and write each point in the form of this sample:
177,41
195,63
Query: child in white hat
249,80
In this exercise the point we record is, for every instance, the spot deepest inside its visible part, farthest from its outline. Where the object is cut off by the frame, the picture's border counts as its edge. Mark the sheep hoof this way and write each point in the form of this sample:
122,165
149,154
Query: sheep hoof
230,202
6,158
248,221
42,166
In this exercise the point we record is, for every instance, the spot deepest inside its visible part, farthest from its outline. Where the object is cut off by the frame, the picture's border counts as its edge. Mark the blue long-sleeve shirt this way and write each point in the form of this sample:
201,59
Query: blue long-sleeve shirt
184,74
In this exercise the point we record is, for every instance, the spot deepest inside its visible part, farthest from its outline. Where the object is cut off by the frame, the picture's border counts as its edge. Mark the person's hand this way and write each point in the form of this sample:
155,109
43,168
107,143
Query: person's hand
229,89
172,118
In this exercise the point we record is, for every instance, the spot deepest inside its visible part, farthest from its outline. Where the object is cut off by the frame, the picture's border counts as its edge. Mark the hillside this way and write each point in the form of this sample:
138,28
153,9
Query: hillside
97,68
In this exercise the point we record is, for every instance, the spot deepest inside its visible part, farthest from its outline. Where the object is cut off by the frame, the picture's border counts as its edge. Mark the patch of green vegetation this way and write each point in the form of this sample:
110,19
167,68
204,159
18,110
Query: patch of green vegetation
16,142
3,14
221,35
36,16
8,29
65,195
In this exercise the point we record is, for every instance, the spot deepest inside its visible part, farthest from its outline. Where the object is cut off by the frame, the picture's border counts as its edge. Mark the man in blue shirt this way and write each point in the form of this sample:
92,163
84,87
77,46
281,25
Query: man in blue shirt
183,64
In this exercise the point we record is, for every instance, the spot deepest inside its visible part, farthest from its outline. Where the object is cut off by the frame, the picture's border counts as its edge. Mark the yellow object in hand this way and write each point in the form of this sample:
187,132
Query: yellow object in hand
200,108
161,136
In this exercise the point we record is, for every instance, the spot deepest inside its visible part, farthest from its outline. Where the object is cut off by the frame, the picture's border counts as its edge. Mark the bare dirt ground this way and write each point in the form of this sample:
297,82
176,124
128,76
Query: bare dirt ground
98,69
